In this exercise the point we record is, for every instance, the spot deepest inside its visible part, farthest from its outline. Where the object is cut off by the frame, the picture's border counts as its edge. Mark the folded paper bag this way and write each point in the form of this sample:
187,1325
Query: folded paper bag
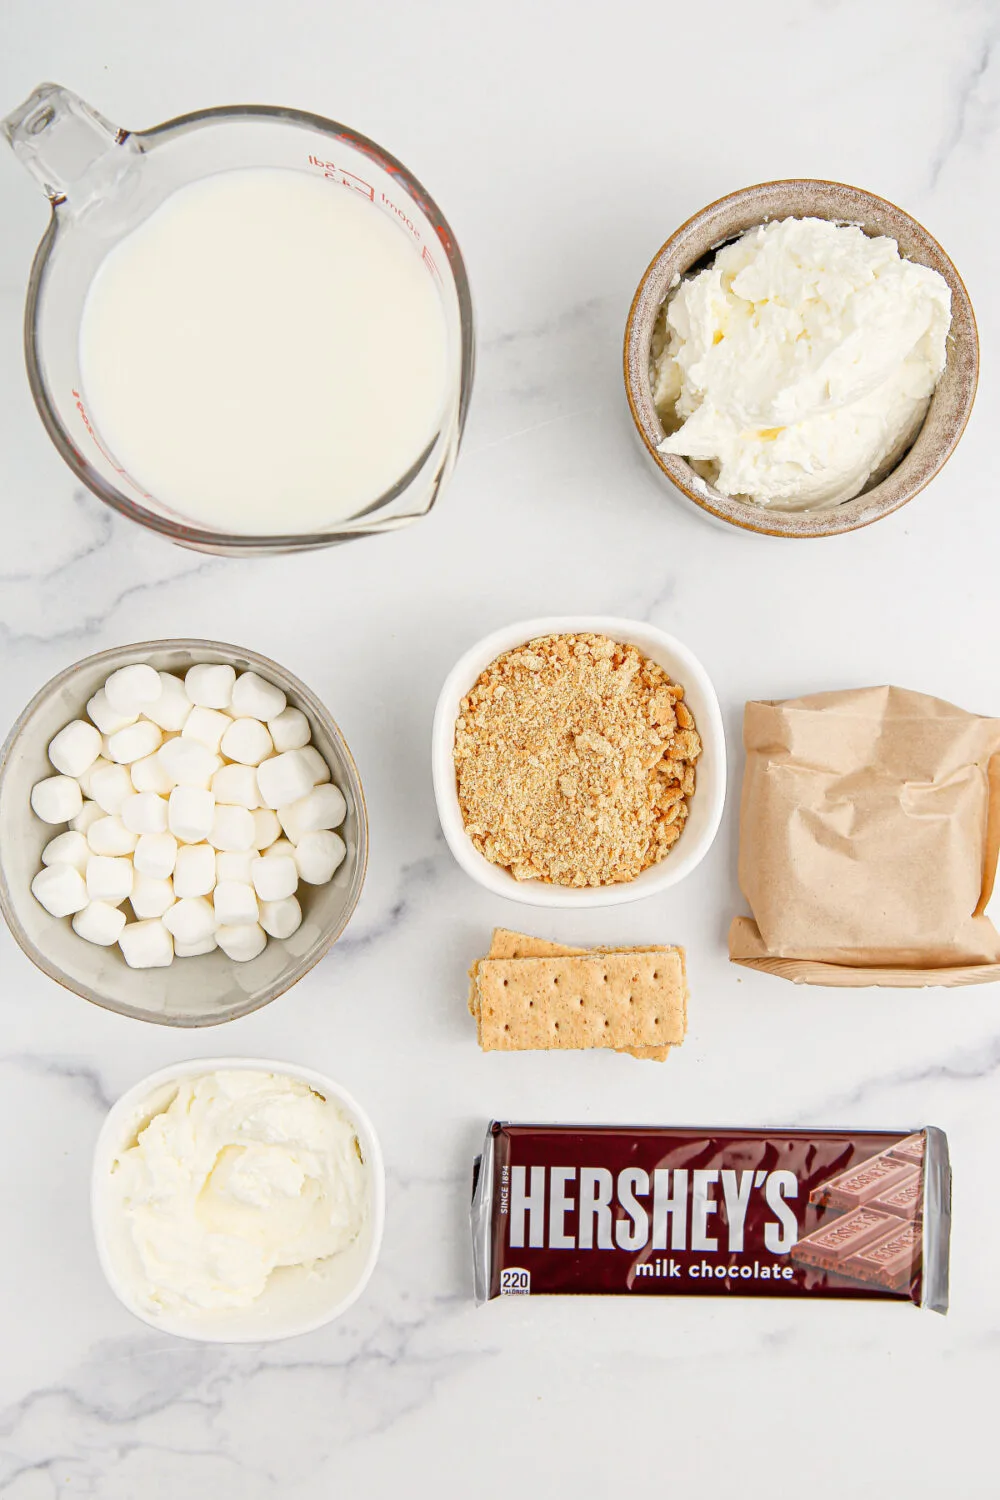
869,831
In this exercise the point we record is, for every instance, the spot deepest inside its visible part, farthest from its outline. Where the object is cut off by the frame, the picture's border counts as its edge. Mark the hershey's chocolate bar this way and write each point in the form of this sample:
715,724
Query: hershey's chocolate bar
911,1150
889,1261
905,1198
860,1185
695,1212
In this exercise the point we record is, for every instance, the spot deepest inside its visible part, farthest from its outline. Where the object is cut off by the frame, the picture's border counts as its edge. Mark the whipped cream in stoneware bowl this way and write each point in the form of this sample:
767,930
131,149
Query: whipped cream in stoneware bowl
818,362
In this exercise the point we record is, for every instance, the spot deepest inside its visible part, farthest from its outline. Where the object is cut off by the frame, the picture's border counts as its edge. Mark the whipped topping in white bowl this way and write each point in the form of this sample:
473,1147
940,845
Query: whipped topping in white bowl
237,1200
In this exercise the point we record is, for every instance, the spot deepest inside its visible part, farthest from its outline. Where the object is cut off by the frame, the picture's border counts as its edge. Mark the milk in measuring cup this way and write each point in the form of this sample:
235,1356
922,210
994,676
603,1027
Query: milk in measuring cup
266,354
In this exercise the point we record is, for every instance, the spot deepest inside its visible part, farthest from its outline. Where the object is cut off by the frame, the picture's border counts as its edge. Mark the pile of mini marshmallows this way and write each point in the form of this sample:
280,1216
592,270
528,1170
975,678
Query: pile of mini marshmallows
199,802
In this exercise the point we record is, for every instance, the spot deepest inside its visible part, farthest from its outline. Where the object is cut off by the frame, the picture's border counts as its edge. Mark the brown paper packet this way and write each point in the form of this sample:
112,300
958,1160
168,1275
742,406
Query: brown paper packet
869,832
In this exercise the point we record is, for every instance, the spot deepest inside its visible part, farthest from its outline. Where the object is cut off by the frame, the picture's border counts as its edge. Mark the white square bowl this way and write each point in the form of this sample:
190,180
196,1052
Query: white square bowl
710,790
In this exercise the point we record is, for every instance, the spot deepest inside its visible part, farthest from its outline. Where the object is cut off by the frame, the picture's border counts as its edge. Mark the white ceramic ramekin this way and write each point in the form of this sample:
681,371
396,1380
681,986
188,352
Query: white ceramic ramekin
296,1300
706,805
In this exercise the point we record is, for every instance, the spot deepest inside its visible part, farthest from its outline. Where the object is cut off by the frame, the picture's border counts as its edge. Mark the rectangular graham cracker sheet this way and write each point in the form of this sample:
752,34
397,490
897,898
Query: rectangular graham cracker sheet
635,999
508,944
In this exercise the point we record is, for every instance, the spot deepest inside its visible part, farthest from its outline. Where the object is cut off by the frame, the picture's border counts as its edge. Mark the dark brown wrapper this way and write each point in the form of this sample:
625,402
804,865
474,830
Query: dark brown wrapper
652,1211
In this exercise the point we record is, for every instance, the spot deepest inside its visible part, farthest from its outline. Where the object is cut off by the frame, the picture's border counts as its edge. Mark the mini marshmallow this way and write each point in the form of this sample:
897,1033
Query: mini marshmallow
110,836
188,763
134,743
99,923
236,786
319,855
146,945
278,848
281,918
195,950
190,920
235,866
56,799
86,779
195,873
150,775
88,815
145,812
232,829
253,698
235,903
274,879
190,813
241,943
210,685
317,765
266,827
60,889
289,730
131,689
247,741
109,787
74,749
151,897
283,779
67,849
155,855
108,720
109,879
207,726
324,807
172,707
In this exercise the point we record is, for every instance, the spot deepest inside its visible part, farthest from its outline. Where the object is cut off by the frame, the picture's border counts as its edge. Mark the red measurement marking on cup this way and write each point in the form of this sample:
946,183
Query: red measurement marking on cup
428,257
401,215
333,173
340,175
78,403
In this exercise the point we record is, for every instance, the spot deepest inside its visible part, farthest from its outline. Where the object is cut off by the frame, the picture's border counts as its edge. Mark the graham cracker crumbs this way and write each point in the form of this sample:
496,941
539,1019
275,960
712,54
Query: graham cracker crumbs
574,758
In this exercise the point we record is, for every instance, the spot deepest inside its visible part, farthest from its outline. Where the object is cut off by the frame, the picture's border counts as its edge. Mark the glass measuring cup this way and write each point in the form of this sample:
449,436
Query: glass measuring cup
102,182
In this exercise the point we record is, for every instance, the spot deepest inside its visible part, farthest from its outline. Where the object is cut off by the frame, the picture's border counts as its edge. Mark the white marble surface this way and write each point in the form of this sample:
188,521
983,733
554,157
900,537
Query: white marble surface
565,143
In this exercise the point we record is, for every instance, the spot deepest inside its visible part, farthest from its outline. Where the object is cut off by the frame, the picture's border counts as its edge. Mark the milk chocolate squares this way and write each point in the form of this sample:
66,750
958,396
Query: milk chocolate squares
867,1243
651,1211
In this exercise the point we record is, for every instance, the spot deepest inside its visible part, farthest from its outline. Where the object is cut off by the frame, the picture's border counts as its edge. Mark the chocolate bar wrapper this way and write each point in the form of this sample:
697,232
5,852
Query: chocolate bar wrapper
650,1211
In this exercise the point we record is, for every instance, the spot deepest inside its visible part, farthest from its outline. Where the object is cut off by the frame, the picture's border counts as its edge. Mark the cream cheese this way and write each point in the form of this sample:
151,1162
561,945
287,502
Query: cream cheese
240,1174
799,365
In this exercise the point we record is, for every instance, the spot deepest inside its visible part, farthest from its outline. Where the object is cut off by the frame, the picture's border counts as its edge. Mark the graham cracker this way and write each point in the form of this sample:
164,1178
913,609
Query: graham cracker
594,1000
508,944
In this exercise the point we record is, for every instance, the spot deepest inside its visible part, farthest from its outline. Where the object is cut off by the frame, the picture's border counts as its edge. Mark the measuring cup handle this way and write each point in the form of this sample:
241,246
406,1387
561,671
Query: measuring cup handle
64,143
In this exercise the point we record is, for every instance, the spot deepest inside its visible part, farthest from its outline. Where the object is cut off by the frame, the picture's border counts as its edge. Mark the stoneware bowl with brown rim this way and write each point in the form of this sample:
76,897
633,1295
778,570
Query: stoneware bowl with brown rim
695,242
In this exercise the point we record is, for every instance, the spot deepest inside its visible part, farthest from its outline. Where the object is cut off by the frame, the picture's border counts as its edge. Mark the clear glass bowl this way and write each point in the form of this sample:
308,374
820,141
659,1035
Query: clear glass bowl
103,181
192,991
